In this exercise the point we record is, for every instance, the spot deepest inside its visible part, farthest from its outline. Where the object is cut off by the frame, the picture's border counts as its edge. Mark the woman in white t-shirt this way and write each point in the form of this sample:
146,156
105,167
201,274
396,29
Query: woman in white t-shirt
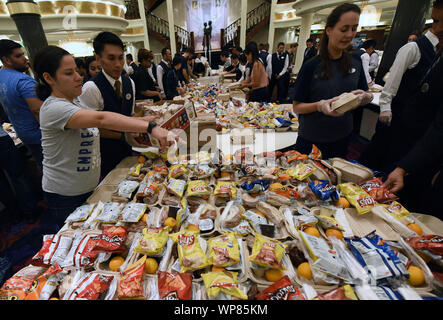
70,136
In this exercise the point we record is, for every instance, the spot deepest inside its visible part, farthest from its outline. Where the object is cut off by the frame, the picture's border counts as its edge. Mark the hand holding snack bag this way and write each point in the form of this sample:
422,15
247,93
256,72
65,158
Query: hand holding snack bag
375,189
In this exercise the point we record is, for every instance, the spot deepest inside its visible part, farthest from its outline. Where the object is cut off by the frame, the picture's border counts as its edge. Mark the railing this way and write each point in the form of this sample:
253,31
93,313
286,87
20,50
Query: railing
232,32
161,26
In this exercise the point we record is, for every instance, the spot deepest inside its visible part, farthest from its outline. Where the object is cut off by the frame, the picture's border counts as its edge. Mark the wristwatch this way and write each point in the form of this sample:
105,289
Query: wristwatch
151,126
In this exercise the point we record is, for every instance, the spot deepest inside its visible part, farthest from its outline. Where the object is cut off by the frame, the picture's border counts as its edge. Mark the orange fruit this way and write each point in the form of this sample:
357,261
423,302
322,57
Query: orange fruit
115,263
193,227
304,270
260,213
170,222
151,265
334,232
215,269
416,276
416,228
273,275
54,298
312,231
225,174
343,203
141,159
144,217
284,177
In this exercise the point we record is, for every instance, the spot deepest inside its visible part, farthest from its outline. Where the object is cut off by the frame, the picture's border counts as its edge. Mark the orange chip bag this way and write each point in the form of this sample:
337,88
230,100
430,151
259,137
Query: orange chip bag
92,286
356,196
16,288
315,153
111,240
131,285
174,286
46,284
283,289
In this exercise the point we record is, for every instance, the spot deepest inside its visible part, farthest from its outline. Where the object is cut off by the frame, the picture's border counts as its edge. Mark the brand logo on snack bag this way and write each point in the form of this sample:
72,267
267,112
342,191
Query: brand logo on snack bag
394,208
282,293
185,240
198,189
366,201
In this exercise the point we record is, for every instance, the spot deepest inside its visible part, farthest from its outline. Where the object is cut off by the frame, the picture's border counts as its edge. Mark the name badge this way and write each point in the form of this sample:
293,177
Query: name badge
128,96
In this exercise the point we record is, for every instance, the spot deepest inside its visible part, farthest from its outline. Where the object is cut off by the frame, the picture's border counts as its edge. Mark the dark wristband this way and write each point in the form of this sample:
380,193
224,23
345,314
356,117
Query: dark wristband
151,126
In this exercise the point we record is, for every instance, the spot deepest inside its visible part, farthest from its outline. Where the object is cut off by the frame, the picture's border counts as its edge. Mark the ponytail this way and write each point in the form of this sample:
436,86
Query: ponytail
47,60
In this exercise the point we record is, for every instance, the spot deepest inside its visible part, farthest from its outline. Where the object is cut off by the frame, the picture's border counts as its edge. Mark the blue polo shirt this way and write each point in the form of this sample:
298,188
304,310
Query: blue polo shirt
15,87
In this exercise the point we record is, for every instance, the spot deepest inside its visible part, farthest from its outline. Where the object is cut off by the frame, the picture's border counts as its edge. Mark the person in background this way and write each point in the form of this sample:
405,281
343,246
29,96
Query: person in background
243,61
404,118
132,65
234,64
144,82
310,50
92,68
200,65
70,131
265,57
278,71
364,53
190,66
173,85
373,60
112,92
292,52
414,36
18,98
237,51
225,59
82,70
325,77
258,80
184,74
163,68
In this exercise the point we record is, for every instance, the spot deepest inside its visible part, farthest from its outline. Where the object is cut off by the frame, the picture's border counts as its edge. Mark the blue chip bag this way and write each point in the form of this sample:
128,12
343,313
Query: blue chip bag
377,257
256,186
324,190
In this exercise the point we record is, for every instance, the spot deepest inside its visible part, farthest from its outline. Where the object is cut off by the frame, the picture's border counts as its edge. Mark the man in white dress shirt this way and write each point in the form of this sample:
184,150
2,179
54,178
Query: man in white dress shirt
163,68
277,70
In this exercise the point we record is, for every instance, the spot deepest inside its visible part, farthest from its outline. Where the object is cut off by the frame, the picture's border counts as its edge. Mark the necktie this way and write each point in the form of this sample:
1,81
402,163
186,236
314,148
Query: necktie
118,87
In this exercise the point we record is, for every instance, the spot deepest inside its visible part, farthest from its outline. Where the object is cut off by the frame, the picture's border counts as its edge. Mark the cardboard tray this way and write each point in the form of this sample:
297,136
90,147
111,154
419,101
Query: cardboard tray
351,172
346,102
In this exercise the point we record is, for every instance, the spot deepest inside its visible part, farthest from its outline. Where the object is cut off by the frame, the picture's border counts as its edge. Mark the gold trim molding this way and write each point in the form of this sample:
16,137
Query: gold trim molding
22,7
133,31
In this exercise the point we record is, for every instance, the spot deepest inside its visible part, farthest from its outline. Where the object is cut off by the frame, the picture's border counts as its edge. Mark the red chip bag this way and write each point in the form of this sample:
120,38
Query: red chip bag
283,289
374,188
174,286
342,293
91,287
46,284
132,281
429,242
111,240
16,288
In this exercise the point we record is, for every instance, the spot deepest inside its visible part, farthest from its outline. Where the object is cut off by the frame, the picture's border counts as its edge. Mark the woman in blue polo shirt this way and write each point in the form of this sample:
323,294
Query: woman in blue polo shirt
323,79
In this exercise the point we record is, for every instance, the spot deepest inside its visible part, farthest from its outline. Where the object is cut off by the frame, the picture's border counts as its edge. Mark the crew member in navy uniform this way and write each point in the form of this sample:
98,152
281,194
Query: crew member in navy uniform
163,68
406,109
278,70
110,91
145,87
264,55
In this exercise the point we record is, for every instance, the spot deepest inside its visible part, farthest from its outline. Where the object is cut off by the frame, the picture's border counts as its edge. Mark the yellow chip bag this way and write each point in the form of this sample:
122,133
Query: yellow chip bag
329,222
183,212
153,241
267,252
396,210
224,250
177,171
225,189
223,281
198,188
135,172
356,196
301,171
190,254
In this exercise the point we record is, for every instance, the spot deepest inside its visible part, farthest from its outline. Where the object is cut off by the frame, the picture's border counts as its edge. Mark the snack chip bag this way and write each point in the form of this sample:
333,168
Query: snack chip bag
223,281
203,171
304,221
16,288
280,189
431,242
176,187
110,212
201,157
81,213
198,188
301,171
126,188
396,210
177,171
329,222
224,250
282,289
225,189
191,255
267,252
256,186
295,156
153,241
343,293
46,284
92,286
374,188
135,171
242,229
324,190
174,286
81,254
132,281
315,153
111,240
147,189
357,197
255,220
161,169
55,248
133,212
